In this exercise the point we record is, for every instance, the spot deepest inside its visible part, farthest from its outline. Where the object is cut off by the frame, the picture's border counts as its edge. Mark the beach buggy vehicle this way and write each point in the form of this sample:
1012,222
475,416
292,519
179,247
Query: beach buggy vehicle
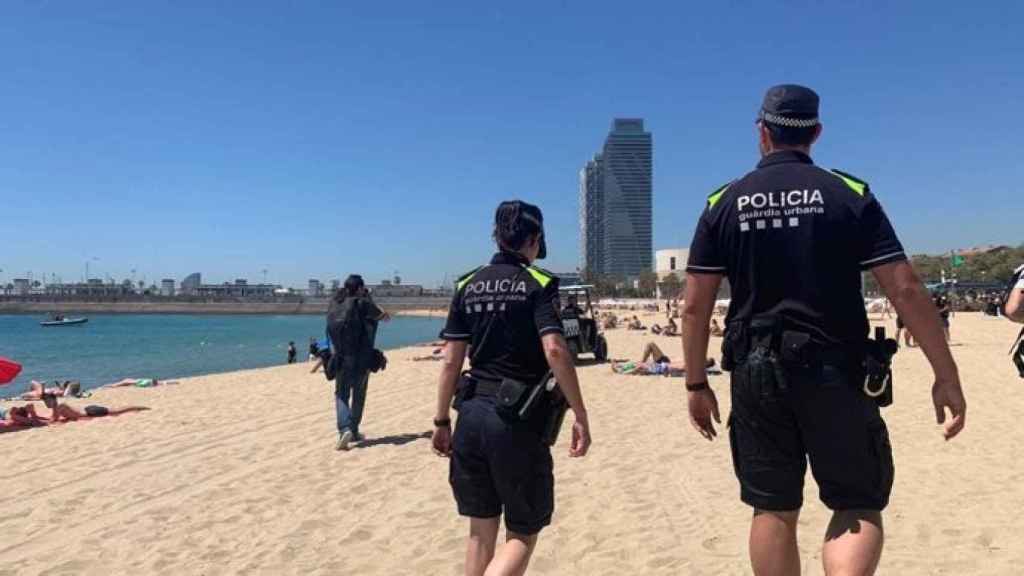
579,325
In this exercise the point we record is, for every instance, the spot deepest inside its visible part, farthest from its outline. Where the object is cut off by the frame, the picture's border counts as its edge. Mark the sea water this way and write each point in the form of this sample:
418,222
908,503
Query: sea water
112,347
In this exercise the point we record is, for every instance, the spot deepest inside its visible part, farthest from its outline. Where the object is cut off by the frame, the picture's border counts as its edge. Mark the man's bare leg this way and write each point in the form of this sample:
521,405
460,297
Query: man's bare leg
853,543
651,351
773,550
483,533
514,556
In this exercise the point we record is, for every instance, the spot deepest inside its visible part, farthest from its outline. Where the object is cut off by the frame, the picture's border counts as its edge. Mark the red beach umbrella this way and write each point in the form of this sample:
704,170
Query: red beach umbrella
9,369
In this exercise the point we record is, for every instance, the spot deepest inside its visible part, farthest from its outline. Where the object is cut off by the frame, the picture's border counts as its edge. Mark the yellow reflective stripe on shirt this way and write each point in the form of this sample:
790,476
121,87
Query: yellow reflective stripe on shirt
541,278
857,187
714,198
465,280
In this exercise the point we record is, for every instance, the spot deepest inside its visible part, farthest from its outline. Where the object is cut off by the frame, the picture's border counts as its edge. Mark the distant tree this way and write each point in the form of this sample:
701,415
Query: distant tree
671,287
995,266
647,284
604,286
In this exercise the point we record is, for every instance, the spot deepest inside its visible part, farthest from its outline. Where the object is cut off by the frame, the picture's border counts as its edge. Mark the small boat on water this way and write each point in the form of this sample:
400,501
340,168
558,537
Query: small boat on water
62,321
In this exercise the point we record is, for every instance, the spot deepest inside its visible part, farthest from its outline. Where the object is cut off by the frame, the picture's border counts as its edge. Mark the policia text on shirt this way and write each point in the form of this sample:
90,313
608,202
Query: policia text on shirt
507,314
793,239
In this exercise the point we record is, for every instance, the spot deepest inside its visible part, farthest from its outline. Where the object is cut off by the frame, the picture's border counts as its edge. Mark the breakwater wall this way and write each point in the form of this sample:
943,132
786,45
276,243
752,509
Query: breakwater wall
421,305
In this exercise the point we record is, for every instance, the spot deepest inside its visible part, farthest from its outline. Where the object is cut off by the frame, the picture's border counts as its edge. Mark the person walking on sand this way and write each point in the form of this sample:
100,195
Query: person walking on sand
945,311
351,324
508,311
1013,308
796,334
292,352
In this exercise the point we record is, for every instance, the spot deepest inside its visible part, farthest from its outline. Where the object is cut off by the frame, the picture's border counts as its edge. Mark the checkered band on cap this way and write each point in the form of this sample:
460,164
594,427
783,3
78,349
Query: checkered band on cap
788,122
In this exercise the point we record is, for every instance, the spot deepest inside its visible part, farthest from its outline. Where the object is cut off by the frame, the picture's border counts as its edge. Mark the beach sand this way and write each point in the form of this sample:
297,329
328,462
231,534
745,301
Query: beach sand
237,474
423,312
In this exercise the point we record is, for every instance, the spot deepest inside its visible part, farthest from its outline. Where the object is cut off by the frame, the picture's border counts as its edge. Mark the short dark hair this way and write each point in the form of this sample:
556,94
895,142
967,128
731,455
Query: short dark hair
511,229
352,287
353,284
788,135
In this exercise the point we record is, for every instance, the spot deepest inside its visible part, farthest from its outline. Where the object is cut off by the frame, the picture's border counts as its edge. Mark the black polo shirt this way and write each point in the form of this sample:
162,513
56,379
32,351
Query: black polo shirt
503,309
793,239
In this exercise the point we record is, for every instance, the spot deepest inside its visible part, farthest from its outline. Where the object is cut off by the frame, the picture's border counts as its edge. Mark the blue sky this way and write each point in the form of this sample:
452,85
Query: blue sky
314,139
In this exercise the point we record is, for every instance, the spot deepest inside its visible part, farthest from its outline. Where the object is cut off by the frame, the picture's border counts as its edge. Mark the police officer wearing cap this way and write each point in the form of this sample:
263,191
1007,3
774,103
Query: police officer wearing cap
793,240
507,315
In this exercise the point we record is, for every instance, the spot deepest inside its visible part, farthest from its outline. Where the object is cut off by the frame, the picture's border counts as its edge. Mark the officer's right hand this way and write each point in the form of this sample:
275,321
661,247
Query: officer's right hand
947,394
703,406
580,437
442,441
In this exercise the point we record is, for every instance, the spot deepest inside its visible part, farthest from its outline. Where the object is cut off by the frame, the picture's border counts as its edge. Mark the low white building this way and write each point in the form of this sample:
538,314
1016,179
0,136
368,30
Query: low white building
670,262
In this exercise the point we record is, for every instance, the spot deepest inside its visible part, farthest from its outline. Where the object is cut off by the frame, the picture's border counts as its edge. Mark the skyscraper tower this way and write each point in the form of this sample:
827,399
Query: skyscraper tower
616,203
592,217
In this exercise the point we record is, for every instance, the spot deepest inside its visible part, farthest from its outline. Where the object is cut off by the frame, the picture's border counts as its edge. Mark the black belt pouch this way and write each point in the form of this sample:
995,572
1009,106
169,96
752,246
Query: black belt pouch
512,394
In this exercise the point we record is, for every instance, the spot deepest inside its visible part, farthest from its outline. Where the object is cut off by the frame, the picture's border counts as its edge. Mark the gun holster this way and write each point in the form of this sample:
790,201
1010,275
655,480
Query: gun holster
464,390
542,405
877,366
754,347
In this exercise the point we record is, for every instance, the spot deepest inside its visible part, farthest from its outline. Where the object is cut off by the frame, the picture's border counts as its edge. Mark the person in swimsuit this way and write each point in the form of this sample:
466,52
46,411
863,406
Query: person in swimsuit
136,382
37,389
20,416
68,414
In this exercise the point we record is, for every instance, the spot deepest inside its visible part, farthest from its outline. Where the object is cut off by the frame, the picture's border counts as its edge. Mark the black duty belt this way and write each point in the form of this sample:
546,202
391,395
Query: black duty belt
484,386
838,356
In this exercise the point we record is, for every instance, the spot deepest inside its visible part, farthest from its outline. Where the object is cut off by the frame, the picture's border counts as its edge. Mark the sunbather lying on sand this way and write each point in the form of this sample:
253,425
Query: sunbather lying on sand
137,382
69,414
20,416
670,330
65,389
659,364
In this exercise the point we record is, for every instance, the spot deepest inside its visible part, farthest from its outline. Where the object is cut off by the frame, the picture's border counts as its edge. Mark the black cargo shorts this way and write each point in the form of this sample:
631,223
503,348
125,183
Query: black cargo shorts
499,467
821,414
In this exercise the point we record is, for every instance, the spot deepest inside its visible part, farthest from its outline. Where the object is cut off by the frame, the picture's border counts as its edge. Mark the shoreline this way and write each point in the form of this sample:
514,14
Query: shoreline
302,362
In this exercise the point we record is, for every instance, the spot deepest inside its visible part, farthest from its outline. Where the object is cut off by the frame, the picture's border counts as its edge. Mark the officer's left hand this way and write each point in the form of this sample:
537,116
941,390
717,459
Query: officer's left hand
442,441
580,438
703,406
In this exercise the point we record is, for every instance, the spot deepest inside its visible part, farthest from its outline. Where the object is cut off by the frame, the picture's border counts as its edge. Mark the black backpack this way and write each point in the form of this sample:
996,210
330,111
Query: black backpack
349,332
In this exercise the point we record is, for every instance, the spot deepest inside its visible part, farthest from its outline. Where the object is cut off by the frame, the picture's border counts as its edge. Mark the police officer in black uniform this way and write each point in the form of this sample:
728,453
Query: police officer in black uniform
506,313
793,239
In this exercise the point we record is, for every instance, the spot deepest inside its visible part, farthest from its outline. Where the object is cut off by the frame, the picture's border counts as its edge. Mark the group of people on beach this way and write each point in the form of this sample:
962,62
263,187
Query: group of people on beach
26,416
796,318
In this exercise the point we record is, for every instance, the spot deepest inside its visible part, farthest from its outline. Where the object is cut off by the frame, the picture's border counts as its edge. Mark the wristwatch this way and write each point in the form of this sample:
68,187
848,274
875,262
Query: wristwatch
697,386
443,423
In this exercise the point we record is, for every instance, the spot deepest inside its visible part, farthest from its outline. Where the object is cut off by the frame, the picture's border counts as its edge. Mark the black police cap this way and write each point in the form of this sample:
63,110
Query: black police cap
790,105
